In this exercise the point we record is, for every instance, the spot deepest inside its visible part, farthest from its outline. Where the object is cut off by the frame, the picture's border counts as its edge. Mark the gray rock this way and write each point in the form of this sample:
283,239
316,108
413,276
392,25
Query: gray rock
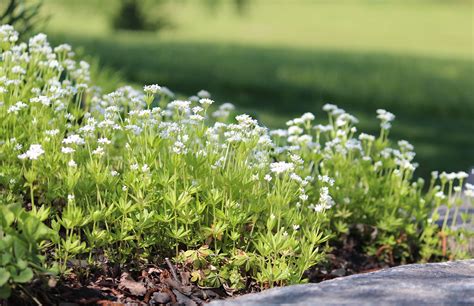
161,297
183,299
450,283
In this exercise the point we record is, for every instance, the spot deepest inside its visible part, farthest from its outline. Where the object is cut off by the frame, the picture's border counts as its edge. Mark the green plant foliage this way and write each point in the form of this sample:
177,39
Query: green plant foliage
132,15
22,14
138,174
22,237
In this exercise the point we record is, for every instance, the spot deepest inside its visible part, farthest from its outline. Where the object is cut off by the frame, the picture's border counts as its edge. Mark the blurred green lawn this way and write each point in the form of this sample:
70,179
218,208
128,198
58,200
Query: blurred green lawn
282,58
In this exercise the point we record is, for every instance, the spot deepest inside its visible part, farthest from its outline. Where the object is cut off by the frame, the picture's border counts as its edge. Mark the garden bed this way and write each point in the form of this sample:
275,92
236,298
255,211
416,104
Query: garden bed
97,190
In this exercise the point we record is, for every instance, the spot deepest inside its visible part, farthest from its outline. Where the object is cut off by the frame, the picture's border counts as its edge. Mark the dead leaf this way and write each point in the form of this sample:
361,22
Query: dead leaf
135,288
185,276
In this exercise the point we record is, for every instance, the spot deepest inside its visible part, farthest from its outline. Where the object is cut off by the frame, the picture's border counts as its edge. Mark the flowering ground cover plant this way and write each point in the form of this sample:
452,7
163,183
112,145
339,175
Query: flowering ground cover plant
134,176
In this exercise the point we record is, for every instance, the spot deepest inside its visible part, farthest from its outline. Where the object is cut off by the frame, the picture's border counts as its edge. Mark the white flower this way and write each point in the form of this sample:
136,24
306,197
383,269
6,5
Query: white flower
206,102
145,168
16,107
67,150
196,117
33,152
462,175
134,166
70,197
103,140
451,176
325,199
267,177
203,94
114,173
180,105
329,107
296,227
296,177
317,208
279,133
41,99
303,197
151,89
179,147
228,107
63,48
440,195
405,145
295,130
72,164
307,117
8,34
326,179
99,151
385,116
280,167
323,128
52,132
74,139
367,137
166,91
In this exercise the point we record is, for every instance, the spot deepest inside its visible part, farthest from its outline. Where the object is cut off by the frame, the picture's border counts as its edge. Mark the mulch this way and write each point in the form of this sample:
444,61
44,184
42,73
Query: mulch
159,285
167,284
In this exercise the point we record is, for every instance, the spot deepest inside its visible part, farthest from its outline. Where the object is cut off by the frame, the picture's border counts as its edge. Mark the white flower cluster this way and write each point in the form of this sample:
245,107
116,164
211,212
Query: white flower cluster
128,120
281,167
385,118
469,192
8,34
451,176
33,153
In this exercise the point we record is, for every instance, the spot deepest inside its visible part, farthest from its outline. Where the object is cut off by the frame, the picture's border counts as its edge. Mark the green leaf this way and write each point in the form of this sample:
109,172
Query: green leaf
21,264
24,276
4,276
7,216
20,248
5,292
6,258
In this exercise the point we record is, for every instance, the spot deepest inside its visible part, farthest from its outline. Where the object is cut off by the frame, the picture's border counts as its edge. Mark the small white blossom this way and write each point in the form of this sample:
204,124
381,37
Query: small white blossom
206,102
152,89
280,167
203,94
33,153
67,150
103,140
99,151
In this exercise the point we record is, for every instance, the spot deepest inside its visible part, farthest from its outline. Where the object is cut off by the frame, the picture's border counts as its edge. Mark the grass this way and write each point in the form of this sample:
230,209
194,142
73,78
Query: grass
280,59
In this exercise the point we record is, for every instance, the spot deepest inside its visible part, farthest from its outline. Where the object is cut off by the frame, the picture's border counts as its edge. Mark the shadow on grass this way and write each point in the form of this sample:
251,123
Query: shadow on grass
433,98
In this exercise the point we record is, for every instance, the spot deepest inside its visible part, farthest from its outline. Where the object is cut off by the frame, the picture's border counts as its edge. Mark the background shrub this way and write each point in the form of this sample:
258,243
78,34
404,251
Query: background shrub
24,15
